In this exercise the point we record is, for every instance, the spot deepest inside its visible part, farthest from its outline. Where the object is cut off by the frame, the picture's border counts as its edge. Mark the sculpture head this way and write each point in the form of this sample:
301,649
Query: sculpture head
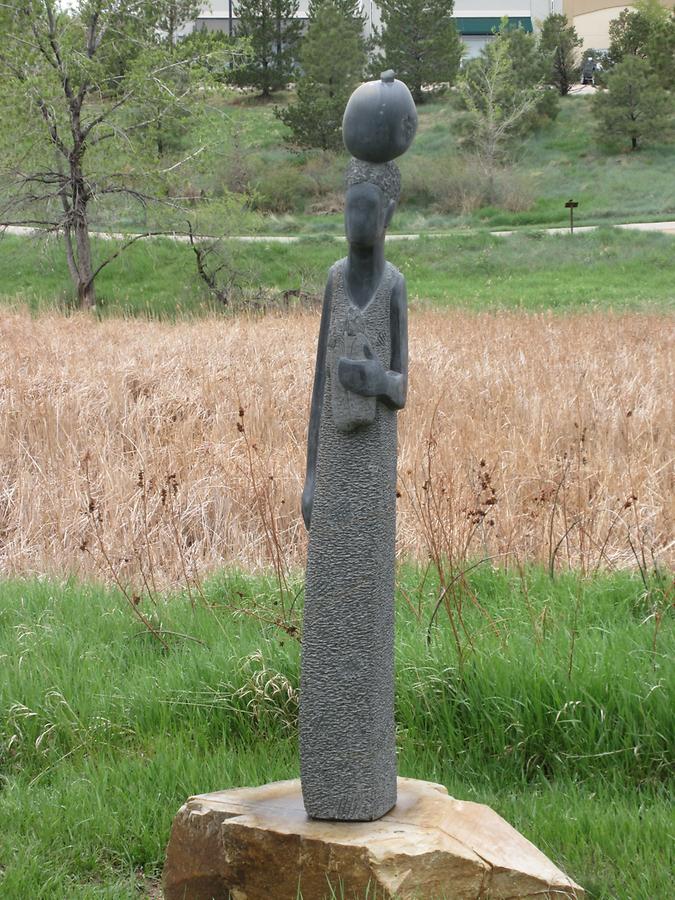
372,193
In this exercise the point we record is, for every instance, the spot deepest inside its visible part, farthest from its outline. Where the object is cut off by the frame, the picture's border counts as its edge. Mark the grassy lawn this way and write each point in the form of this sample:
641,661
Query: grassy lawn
549,701
553,710
301,191
557,162
605,269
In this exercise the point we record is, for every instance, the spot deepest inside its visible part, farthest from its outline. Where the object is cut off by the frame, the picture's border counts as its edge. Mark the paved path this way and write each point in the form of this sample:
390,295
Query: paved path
663,227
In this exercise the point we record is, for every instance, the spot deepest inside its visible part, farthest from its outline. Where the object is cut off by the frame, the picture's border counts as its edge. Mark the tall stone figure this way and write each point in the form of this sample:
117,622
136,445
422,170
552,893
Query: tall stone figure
259,842
347,735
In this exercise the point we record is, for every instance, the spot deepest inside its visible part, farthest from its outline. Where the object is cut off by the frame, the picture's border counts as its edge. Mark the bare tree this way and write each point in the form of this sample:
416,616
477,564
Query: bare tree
78,131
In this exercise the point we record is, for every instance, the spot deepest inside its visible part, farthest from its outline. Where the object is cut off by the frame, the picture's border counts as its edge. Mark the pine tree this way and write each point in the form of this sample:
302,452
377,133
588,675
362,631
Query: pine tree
529,71
273,32
420,43
648,31
635,107
332,61
559,42
660,51
175,15
628,36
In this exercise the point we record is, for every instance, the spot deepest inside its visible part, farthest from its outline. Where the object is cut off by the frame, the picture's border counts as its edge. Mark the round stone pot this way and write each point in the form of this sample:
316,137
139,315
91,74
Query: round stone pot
380,120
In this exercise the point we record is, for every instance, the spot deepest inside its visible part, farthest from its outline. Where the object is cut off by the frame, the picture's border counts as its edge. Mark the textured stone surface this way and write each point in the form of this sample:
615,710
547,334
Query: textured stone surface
347,737
258,844
380,120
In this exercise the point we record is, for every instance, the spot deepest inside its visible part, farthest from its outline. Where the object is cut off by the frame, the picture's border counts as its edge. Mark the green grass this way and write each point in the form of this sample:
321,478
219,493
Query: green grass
562,160
604,269
557,162
558,717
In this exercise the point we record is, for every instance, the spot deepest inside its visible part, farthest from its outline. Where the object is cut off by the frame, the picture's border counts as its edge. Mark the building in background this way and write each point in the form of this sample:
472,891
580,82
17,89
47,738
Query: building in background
591,19
476,19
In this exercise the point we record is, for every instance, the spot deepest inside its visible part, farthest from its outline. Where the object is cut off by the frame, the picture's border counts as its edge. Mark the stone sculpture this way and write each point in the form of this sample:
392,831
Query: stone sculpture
347,737
264,842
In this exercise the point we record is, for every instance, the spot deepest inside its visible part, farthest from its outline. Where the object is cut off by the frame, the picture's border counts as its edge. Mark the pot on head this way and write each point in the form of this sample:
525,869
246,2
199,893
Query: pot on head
380,120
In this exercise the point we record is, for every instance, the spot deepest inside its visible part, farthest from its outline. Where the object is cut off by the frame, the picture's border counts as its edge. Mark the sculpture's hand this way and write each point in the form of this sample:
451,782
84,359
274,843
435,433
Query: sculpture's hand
307,502
366,377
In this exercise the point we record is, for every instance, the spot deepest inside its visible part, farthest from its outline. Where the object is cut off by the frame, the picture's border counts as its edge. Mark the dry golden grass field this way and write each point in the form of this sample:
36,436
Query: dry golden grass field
147,452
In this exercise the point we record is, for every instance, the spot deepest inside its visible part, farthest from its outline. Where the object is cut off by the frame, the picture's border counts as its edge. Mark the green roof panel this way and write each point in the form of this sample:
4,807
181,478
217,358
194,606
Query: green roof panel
490,24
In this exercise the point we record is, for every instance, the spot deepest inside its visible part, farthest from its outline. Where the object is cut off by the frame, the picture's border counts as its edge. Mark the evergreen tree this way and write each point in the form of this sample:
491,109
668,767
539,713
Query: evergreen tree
529,71
332,61
647,32
660,51
273,33
420,43
559,43
635,107
628,36
174,15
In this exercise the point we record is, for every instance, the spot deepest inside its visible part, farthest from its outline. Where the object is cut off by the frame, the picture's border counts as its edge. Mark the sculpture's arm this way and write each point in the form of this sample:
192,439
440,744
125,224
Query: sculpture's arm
316,407
397,377
369,377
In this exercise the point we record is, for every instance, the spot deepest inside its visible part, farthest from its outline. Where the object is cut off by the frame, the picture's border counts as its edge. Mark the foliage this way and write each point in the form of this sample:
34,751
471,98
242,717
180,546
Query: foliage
174,15
273,31
661,50
452,185
332,61
654,10
500,103
649,33
219,54
559,43
635,107
529,69
420,43
628,35
72,144
509,70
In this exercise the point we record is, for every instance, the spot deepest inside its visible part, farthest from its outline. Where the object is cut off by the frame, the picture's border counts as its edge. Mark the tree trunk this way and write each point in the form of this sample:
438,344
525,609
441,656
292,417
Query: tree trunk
86,295
266,79
70,255
160,137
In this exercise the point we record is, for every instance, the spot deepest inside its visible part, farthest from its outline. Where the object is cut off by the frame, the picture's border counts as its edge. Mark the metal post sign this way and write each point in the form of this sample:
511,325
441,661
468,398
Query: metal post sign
571,205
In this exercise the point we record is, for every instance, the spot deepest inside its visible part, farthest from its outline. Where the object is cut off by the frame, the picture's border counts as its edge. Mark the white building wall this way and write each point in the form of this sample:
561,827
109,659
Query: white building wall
542,8
219,10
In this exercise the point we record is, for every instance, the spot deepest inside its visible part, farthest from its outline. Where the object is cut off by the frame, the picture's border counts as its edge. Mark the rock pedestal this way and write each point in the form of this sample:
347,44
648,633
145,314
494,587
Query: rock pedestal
258,844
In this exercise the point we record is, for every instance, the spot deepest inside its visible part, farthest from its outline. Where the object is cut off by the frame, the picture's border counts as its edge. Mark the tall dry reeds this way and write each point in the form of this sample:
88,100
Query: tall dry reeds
152,453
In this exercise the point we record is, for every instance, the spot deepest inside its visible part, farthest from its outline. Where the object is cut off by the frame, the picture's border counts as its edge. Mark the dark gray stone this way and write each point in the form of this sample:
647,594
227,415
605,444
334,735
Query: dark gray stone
347,733
380,120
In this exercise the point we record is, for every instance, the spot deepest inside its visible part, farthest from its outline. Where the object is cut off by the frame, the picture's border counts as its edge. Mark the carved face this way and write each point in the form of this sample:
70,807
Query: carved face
367,214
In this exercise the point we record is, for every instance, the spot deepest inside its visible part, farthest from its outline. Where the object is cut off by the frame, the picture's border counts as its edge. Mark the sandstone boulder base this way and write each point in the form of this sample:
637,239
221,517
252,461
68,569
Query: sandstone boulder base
258,844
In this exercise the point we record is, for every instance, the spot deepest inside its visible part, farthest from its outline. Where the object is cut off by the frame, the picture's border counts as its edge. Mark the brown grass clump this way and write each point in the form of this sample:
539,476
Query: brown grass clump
157,452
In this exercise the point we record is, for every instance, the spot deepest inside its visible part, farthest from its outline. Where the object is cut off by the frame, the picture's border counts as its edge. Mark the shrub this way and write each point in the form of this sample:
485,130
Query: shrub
635,107
281,189
452,185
